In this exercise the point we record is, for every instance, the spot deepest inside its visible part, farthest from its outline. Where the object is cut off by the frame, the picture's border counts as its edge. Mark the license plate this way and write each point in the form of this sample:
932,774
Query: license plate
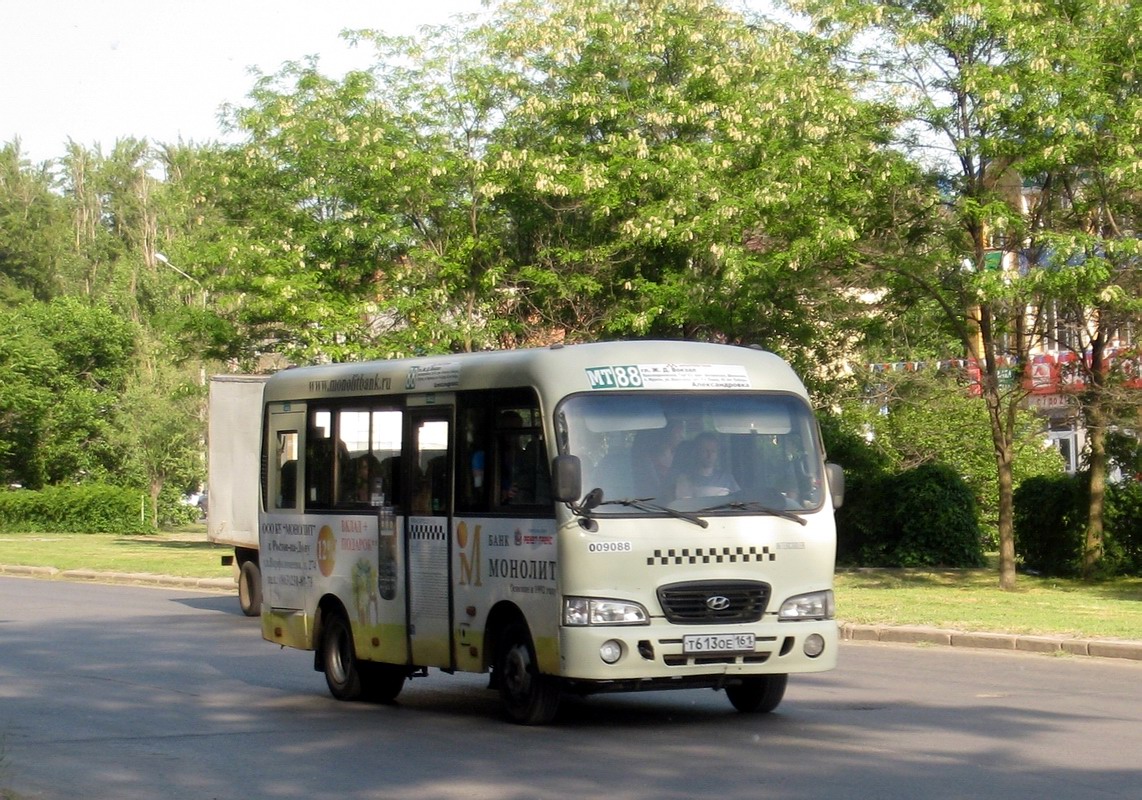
697,643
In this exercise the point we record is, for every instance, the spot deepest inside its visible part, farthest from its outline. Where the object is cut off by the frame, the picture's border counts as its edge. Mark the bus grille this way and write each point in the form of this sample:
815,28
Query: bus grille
699,602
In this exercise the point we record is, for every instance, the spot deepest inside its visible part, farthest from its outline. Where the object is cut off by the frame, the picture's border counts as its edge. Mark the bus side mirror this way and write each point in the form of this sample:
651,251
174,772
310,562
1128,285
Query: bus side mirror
836,478
567,476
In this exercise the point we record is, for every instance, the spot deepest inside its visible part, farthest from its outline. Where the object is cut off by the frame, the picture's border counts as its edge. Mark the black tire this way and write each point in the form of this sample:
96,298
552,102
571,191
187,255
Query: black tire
529,697
250,588
339,659
758,694
381,683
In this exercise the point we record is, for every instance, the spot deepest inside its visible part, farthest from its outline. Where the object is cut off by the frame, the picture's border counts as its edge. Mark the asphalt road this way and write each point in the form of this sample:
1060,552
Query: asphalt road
127,693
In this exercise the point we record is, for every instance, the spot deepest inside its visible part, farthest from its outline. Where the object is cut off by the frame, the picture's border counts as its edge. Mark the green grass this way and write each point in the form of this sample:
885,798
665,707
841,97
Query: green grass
968,600
183,553
971,600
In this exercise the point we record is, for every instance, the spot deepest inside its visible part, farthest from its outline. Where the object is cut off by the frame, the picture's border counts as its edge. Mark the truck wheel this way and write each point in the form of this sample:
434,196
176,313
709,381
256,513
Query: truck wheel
250,588
758,693
529,697
339,659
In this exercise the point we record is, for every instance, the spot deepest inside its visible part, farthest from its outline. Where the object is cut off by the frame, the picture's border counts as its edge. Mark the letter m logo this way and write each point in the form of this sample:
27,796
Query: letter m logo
470,560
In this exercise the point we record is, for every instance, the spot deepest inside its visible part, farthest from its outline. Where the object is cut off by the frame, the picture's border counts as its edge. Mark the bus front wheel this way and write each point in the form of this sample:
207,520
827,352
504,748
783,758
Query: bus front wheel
339,659
529,697
381,683
758,693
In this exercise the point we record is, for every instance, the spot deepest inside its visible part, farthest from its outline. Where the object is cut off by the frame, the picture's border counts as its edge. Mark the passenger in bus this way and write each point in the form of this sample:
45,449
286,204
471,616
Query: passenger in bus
702,473
533,482
652,457
287,483
363,478
511,457
320,467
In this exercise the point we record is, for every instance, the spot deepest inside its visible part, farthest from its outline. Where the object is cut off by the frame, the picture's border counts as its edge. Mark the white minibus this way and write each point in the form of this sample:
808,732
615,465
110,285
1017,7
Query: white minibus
575,519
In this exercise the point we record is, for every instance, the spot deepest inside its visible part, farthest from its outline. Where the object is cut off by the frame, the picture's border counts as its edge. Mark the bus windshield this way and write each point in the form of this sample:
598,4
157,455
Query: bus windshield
741,452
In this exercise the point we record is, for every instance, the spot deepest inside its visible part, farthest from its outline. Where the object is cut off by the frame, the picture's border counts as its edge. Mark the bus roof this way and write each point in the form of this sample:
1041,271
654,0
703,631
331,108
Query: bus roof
556,371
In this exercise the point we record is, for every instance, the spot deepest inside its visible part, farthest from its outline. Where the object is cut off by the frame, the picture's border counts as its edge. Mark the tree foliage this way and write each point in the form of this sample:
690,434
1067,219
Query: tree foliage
581,169
63,366
990,93
568,170
928,418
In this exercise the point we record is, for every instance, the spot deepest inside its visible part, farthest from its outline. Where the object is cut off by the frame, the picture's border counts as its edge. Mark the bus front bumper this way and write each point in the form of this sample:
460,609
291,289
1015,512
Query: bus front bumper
655,655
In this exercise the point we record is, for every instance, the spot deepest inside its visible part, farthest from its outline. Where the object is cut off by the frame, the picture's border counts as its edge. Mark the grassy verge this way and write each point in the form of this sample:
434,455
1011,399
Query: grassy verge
967,600
183,553
971,600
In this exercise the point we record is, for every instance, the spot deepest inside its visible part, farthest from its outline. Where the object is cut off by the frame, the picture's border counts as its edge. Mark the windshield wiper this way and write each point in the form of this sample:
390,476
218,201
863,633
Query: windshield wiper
761,508
646,504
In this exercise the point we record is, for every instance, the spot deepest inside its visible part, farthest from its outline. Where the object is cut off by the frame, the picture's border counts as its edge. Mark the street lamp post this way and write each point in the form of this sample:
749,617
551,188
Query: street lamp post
161,258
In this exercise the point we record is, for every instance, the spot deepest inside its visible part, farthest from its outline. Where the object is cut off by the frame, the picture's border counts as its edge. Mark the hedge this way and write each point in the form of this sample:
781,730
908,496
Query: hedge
89,508
922,517
1050,526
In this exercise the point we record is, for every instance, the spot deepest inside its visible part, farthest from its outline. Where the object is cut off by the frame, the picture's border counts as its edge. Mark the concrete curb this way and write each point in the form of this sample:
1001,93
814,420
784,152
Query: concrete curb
130,578
890,634
1051,645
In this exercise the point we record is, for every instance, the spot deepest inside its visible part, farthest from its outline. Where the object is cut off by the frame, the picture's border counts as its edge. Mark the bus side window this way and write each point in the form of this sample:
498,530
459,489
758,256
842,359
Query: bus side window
524,478
286,479
325,457
385,446
502,460
537,473
474,451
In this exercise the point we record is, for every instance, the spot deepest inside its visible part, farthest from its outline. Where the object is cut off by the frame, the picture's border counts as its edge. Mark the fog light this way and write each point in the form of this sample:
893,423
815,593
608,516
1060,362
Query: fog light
611,651
814,645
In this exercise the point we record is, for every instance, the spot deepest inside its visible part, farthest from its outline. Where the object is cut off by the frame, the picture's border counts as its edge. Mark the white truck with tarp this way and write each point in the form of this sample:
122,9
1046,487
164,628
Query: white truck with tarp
233,443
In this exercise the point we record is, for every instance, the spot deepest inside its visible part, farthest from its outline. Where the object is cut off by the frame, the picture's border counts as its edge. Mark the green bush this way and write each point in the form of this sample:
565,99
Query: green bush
1050,524
1051,517
922,517
936,516
173,512
926,419
1122,519
93,508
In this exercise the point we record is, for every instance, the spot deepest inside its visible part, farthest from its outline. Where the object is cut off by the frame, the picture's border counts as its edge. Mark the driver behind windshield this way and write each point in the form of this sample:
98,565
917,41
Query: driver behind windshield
701,469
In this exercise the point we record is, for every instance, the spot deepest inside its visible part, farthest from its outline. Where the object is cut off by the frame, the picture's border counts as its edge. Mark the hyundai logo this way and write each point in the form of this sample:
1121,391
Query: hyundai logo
717,603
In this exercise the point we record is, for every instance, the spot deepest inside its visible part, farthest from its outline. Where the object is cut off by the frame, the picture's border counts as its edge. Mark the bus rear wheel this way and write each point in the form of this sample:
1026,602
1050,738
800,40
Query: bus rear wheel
339,660
529,697
758,694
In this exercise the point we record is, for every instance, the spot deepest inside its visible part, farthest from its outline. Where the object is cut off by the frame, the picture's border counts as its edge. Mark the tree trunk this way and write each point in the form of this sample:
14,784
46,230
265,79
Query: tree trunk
1096,441
1003,460
1001,439
156,489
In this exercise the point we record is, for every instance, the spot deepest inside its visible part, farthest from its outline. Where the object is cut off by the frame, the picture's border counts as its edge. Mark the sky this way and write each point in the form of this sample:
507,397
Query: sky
96,71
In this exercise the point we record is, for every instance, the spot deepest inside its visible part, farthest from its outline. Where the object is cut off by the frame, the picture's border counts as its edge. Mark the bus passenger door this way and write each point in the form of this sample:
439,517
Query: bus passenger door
283,579
428,565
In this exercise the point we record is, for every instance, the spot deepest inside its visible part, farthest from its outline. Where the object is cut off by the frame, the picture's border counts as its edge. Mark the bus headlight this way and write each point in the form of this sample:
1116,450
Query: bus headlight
814,605
578,611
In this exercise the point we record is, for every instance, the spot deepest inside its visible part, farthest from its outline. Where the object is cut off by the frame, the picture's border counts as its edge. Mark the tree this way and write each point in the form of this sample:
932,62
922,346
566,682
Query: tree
162,428
570,170
114,223
1088,174
63,365
32,229
927,415
967,78
671,168
360,229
